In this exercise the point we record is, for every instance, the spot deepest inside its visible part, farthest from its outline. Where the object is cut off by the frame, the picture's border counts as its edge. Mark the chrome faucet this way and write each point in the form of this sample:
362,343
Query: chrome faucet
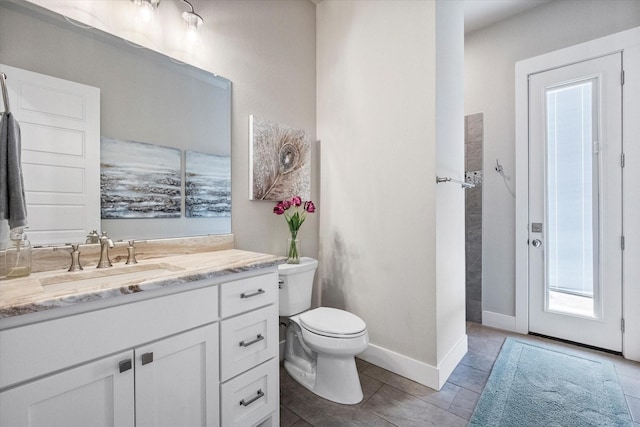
105,244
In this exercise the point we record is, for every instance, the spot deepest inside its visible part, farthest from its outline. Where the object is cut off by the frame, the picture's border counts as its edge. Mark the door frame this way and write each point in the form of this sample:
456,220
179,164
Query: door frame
628,43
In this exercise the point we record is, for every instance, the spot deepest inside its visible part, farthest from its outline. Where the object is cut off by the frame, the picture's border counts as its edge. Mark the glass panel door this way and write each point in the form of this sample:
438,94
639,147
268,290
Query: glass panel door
575,202
572,198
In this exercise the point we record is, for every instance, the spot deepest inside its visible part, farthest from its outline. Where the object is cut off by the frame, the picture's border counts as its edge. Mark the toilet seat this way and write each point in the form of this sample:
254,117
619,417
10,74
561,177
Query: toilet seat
332,322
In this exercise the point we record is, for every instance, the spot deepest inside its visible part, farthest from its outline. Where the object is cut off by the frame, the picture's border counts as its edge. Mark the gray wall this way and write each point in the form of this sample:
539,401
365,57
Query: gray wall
473,217
490,57
390,110
267,50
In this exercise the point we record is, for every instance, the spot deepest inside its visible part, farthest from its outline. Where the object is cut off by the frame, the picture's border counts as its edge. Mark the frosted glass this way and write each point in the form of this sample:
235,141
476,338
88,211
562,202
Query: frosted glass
571,184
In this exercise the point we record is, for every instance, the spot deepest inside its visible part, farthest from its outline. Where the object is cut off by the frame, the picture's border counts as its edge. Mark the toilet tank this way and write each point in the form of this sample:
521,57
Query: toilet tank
296,283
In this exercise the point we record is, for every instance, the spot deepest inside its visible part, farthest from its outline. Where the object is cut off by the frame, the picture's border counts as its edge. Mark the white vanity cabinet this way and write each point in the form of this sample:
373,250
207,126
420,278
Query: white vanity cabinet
83,369
171,360
173,378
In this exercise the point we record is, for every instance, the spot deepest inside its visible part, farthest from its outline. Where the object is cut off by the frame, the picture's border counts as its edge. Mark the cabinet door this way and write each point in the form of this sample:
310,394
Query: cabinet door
95,394
177,380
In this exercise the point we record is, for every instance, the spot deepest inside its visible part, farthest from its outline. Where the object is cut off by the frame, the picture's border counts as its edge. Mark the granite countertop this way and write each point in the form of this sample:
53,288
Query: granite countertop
54,289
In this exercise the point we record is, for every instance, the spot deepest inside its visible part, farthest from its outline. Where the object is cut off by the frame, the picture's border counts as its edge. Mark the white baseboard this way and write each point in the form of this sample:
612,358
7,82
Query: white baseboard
420,372
499,321
452,359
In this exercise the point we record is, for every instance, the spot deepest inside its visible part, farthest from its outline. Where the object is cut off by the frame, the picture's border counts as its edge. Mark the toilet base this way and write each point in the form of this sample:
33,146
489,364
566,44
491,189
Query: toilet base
335,379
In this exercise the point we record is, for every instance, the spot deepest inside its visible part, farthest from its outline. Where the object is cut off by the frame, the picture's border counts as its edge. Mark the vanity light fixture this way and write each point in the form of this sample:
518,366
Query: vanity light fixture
192,19
146,8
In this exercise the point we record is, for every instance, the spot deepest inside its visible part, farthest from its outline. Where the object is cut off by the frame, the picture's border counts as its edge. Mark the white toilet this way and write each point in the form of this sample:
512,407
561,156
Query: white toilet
320,343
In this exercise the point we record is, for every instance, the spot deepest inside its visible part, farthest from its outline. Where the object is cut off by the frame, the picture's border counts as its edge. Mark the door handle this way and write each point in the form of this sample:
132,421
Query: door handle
536,243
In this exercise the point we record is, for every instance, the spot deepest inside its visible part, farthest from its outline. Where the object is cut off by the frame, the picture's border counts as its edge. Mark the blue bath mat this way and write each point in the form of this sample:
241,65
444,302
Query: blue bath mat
531,385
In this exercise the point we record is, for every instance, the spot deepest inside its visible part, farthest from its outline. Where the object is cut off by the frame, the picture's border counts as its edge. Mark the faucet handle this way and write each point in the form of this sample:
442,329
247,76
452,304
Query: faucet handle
131,258
75,258
75,255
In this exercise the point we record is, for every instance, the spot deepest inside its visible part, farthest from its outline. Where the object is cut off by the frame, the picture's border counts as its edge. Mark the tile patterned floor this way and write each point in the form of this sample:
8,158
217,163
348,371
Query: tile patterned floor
392,400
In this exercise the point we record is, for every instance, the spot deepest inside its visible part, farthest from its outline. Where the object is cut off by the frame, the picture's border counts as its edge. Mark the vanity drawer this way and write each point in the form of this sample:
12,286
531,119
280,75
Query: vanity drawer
248,340
252,396
248,294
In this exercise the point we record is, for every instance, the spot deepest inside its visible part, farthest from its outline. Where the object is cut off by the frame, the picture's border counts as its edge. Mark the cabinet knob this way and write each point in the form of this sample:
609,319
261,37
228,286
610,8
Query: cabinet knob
125,365
258,395
147,358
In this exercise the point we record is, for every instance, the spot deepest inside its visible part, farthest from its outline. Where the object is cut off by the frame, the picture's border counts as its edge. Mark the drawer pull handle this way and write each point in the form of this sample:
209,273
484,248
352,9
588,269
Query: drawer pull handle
258,395
125,365
147,358
259,338
256,293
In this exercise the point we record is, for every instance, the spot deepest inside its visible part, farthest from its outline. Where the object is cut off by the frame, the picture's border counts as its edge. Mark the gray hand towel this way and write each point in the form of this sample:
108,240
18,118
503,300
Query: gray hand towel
13,206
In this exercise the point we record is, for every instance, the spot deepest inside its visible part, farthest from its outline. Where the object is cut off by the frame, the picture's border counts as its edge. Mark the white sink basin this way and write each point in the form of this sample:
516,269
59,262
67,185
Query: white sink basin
108,276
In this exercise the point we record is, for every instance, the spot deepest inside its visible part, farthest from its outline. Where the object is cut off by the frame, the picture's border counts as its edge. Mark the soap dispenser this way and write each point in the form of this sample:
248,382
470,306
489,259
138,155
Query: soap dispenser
18,255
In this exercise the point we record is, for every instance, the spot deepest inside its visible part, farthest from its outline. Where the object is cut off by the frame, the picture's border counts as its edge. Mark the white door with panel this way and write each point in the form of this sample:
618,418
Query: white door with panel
60,128
575,202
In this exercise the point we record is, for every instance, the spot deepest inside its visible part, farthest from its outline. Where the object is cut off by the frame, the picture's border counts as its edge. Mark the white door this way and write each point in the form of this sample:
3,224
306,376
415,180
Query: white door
575,202
177,380
60,128
98,394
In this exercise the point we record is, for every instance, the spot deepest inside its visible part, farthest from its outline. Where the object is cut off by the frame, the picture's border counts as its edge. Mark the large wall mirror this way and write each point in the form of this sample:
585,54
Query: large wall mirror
144,97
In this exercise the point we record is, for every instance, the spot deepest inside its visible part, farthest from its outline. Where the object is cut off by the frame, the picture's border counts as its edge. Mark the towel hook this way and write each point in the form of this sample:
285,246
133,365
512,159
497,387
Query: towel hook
5,95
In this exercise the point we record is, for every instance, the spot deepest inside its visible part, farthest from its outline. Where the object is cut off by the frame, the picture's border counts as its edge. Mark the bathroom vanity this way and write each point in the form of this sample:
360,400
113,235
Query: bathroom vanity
189,340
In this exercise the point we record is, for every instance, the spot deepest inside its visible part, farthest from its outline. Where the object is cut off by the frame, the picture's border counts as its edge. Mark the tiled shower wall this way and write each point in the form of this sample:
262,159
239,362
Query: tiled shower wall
473,215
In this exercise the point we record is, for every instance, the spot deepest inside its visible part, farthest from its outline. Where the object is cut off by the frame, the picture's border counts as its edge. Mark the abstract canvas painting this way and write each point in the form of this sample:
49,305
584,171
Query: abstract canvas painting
139,180
279,161
207,185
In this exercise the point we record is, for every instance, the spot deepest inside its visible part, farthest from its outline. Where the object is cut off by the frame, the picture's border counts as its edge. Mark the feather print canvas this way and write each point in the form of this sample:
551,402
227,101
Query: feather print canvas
279,161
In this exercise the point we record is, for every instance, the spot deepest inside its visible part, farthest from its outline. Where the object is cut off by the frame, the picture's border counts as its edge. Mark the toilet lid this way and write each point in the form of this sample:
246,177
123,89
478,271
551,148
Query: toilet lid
332,322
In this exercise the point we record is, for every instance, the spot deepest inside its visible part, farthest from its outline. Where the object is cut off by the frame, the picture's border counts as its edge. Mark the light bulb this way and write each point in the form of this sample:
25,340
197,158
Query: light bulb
146,12
193,21
192,34
146,8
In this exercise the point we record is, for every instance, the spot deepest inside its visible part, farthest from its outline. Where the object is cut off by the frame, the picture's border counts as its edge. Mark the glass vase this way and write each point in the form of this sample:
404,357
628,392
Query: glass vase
17,256
293,255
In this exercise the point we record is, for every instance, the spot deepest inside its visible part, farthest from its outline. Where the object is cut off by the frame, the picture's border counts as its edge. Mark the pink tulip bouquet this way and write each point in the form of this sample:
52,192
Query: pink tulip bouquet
295,212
